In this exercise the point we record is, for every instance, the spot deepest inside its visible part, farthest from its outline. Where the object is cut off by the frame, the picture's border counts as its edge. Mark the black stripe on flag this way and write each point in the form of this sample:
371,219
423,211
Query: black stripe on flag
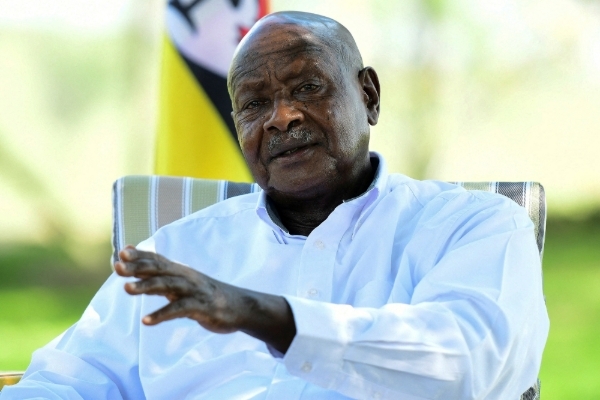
215,87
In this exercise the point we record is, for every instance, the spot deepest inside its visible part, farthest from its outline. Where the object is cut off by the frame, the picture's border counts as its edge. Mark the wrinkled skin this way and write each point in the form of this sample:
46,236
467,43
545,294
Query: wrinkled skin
303,119
302,106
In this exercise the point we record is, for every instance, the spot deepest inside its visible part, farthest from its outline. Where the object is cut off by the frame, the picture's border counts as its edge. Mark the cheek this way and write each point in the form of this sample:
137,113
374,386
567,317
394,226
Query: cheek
351,131
247,132
250,137
250,145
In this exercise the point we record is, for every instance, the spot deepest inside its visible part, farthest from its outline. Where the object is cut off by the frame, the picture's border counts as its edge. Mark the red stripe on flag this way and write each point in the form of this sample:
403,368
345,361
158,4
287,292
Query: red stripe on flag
263,8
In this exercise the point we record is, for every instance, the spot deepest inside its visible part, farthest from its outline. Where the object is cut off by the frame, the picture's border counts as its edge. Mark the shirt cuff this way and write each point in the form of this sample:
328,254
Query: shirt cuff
316,352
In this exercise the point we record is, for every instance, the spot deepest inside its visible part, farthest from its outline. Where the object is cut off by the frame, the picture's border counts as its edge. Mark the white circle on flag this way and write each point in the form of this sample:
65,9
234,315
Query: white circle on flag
216,28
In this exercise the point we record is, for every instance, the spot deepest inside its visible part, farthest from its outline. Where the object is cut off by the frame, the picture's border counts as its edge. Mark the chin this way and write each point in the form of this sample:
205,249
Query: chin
304,188
303,179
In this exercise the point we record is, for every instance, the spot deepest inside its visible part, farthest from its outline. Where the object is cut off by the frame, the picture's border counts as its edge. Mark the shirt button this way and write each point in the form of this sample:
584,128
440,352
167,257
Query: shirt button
319,245
376,395
306,367
313,292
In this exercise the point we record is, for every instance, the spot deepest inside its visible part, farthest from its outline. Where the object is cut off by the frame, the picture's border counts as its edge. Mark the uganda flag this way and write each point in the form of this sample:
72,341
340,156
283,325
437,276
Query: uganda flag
196,136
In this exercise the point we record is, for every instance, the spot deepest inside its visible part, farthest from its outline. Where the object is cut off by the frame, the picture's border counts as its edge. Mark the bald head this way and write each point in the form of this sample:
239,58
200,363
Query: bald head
300,31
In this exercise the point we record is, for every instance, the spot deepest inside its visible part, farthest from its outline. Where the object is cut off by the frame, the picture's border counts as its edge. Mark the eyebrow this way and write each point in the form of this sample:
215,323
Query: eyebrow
253,84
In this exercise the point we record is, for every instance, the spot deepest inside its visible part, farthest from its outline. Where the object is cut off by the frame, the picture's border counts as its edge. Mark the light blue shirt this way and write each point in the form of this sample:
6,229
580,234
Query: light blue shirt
413,290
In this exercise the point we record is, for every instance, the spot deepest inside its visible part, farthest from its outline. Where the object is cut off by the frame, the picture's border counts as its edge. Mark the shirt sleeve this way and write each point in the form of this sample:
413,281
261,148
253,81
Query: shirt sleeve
97,358
475,327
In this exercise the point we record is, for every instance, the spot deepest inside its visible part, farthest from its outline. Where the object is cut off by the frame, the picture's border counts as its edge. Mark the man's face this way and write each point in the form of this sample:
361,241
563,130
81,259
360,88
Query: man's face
300,116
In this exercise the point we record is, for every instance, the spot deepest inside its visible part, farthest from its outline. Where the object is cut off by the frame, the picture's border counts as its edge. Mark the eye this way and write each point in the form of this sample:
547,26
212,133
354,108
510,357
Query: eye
253,104
309,87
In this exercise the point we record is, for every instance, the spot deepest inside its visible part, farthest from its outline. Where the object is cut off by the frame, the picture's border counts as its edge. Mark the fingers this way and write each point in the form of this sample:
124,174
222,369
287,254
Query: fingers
190,308
142,268
191,294
130,253
162,285
134,262
176,309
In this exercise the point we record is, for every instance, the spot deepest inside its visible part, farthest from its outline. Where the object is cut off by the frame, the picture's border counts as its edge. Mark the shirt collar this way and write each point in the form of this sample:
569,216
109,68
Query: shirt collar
268,214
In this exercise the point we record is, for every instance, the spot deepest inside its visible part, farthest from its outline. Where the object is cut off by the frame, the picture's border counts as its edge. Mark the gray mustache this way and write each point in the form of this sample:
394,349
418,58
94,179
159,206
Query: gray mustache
302,134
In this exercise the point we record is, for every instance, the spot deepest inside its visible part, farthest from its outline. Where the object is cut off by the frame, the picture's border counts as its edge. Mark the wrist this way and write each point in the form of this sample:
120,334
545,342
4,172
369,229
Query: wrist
268,318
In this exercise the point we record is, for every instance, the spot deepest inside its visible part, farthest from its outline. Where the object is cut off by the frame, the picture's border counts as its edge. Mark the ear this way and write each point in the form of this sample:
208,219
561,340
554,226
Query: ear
371,92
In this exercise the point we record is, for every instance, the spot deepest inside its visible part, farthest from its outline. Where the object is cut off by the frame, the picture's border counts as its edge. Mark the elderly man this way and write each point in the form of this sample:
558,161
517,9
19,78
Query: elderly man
338,280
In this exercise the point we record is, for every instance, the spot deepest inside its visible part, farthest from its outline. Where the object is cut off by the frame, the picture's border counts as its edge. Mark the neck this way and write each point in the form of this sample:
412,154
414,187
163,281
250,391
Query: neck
302,215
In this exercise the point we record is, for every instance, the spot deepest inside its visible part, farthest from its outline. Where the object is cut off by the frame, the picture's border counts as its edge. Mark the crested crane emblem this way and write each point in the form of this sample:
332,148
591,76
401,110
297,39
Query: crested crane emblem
207,31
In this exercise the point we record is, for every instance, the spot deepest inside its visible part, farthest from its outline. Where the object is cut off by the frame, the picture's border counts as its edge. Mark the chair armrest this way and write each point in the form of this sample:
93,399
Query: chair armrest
9,378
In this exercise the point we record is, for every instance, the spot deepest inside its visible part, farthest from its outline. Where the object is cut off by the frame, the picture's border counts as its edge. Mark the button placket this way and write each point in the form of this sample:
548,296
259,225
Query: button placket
319,255
316,274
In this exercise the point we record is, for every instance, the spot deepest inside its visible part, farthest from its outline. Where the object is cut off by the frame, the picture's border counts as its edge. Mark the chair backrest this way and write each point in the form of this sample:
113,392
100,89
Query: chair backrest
530,195
144,203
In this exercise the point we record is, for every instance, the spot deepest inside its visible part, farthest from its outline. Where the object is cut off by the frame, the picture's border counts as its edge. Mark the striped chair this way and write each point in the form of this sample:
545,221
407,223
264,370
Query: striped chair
143,204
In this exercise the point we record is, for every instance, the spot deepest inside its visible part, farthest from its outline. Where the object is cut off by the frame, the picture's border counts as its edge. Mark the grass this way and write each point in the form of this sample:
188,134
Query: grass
34,307
31,317
42,293
571,364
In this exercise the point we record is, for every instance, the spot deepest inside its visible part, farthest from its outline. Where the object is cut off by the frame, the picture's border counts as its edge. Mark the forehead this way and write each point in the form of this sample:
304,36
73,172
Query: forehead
280,50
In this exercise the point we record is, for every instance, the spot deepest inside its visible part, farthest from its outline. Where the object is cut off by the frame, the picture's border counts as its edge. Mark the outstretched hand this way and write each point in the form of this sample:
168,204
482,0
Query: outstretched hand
215,305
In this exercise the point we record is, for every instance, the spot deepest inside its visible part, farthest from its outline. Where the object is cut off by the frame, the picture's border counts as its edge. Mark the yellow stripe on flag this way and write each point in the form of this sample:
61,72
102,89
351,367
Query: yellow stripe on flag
192,138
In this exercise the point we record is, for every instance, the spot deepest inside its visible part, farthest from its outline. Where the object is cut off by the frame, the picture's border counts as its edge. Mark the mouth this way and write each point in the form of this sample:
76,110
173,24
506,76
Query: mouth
291,151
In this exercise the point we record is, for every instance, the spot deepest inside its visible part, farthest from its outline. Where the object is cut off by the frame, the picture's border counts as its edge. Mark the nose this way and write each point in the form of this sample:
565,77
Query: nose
284,116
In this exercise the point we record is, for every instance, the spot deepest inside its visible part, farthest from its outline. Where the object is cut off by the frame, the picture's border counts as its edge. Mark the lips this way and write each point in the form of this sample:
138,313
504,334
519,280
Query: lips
288,149
291,151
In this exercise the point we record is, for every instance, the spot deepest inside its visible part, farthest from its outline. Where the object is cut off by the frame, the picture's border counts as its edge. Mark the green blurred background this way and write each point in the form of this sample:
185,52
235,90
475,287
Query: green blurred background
472,90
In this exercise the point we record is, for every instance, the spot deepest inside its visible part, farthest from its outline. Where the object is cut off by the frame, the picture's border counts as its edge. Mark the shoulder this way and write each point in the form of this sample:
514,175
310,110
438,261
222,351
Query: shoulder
445,203
451,217
224,214
227,208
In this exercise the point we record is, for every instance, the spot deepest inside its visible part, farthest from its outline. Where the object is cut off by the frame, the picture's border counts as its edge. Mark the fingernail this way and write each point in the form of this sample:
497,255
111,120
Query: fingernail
129,253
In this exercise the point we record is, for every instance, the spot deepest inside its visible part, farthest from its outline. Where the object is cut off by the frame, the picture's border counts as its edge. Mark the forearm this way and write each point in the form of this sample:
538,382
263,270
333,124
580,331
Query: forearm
475,327
408,350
